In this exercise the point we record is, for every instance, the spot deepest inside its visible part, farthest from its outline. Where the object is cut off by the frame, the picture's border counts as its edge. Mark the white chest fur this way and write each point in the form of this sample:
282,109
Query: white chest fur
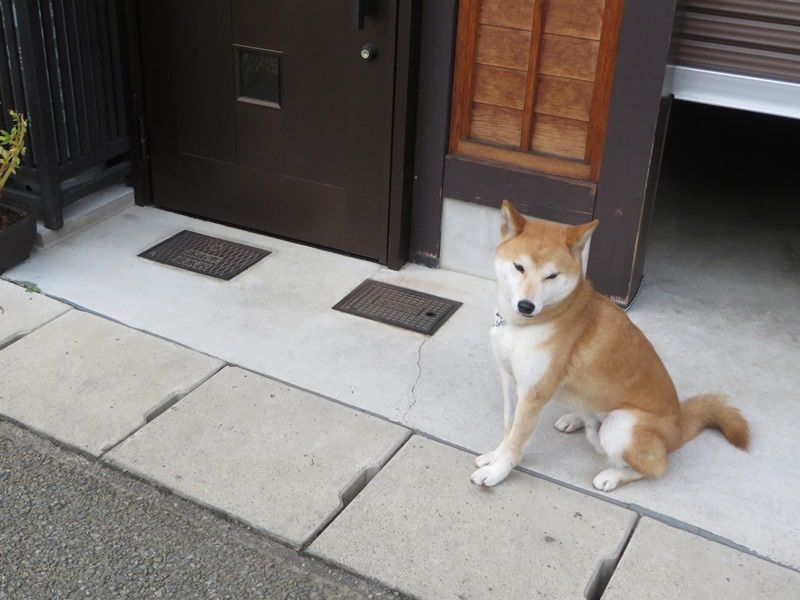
523,351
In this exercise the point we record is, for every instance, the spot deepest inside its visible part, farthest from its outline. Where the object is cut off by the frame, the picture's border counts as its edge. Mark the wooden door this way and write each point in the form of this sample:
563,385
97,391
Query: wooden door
532,83
274,115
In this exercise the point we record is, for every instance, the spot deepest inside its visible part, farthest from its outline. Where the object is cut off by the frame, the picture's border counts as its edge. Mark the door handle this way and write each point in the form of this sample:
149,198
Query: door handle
363,9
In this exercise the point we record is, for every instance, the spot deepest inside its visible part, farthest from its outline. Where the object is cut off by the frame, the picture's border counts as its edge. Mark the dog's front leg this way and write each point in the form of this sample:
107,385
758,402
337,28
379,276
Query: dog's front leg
509,399
507,456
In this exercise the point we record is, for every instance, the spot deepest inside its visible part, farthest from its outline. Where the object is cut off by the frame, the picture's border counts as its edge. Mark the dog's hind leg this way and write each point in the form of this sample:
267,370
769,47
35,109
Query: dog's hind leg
633,451
647,453
569,423
611,478
593,435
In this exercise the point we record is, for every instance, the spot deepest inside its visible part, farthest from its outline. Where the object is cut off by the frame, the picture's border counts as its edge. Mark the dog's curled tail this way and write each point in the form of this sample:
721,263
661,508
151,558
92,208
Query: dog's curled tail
712,410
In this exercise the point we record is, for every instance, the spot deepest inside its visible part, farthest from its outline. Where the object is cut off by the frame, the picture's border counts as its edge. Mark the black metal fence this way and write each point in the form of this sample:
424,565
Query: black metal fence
61,64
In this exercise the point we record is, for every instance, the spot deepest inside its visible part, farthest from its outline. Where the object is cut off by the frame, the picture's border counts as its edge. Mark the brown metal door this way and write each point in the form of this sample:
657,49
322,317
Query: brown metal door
265,114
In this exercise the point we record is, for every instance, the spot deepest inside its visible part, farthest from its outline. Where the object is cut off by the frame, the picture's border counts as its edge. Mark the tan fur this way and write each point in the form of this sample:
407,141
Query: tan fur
712,411
602,358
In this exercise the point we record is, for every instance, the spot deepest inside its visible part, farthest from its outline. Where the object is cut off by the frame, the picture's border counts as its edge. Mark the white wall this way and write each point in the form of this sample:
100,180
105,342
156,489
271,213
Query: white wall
470,234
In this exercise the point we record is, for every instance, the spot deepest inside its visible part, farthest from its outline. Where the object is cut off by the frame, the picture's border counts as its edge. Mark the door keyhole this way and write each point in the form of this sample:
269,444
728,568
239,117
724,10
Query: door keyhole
369,51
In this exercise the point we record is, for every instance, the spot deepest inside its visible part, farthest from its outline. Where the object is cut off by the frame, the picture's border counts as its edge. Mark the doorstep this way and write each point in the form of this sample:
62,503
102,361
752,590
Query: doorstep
86,212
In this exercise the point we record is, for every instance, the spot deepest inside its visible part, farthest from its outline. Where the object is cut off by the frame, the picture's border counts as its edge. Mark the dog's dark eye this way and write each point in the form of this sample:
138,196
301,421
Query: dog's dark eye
551,276
519,268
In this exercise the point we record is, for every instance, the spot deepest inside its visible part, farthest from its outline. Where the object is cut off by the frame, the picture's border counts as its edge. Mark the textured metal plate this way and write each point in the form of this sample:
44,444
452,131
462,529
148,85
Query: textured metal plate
398,306
205,254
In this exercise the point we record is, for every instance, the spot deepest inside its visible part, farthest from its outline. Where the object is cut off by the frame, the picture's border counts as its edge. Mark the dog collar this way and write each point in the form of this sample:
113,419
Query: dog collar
498,320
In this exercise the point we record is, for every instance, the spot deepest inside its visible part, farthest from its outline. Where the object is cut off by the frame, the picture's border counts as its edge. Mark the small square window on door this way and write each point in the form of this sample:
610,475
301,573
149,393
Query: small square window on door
258,76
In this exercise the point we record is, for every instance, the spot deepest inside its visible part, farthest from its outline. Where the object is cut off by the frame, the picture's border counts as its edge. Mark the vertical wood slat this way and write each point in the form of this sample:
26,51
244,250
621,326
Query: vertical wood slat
40,114
7,89
101,17
537,30
87,65
67,83
84,117
604,76
57,102
114,22
13,89
96,70
464,71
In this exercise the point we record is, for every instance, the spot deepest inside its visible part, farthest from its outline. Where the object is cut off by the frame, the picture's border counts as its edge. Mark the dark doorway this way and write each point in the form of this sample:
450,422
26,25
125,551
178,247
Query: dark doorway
274,115
726,226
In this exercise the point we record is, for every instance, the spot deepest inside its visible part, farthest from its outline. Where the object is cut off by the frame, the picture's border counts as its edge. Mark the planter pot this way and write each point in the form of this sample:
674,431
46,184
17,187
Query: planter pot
17,239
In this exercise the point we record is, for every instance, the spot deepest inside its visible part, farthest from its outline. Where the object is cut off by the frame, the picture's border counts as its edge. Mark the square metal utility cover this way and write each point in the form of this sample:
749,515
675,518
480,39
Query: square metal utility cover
205,254
398,306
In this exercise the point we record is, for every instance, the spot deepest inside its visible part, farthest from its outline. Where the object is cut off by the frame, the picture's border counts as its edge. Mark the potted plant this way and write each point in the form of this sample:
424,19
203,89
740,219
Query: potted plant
17,229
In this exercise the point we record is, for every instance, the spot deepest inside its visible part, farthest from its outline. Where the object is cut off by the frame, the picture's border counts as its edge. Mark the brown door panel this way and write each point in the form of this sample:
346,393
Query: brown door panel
200,80
258,199
312,162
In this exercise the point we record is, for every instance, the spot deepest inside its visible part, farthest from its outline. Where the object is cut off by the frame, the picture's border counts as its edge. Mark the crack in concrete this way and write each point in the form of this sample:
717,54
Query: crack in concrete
416,381
606,568
168,402
354,487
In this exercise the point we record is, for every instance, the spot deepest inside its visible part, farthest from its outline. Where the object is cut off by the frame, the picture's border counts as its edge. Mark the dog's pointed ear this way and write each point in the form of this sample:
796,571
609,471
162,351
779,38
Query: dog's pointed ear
511,222
579,235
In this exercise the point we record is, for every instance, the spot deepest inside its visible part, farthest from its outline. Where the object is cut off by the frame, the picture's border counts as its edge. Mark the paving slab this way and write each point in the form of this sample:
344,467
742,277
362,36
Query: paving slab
279,458
90,382
22,311
670,564
421,527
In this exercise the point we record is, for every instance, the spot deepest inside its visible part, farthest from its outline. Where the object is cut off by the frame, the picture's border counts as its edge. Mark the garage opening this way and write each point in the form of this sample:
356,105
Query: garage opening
726,221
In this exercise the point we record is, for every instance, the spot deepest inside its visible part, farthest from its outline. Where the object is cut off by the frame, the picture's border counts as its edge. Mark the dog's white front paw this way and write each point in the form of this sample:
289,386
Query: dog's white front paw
493,473
486,459
607,480
569,423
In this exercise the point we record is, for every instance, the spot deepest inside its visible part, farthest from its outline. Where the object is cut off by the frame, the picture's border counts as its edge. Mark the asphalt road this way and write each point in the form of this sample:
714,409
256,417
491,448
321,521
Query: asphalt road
72,527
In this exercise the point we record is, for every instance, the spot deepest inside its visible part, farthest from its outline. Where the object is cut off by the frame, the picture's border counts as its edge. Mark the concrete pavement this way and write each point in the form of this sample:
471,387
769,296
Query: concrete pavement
287,462
276,319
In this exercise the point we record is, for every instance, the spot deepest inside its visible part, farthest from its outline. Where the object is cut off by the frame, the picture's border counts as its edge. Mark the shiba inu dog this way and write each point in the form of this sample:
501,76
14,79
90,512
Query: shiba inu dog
556,337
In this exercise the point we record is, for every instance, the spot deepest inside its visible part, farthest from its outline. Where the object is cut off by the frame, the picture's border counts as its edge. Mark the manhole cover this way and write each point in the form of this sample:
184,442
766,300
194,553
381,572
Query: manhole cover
205,254
398,306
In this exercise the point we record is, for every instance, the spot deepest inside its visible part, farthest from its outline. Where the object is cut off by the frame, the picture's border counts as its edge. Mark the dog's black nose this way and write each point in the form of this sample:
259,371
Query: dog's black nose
526,307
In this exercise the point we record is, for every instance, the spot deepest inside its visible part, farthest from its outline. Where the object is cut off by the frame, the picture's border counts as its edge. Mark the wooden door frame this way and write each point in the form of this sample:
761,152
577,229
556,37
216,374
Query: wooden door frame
134,97
631,154
404,112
